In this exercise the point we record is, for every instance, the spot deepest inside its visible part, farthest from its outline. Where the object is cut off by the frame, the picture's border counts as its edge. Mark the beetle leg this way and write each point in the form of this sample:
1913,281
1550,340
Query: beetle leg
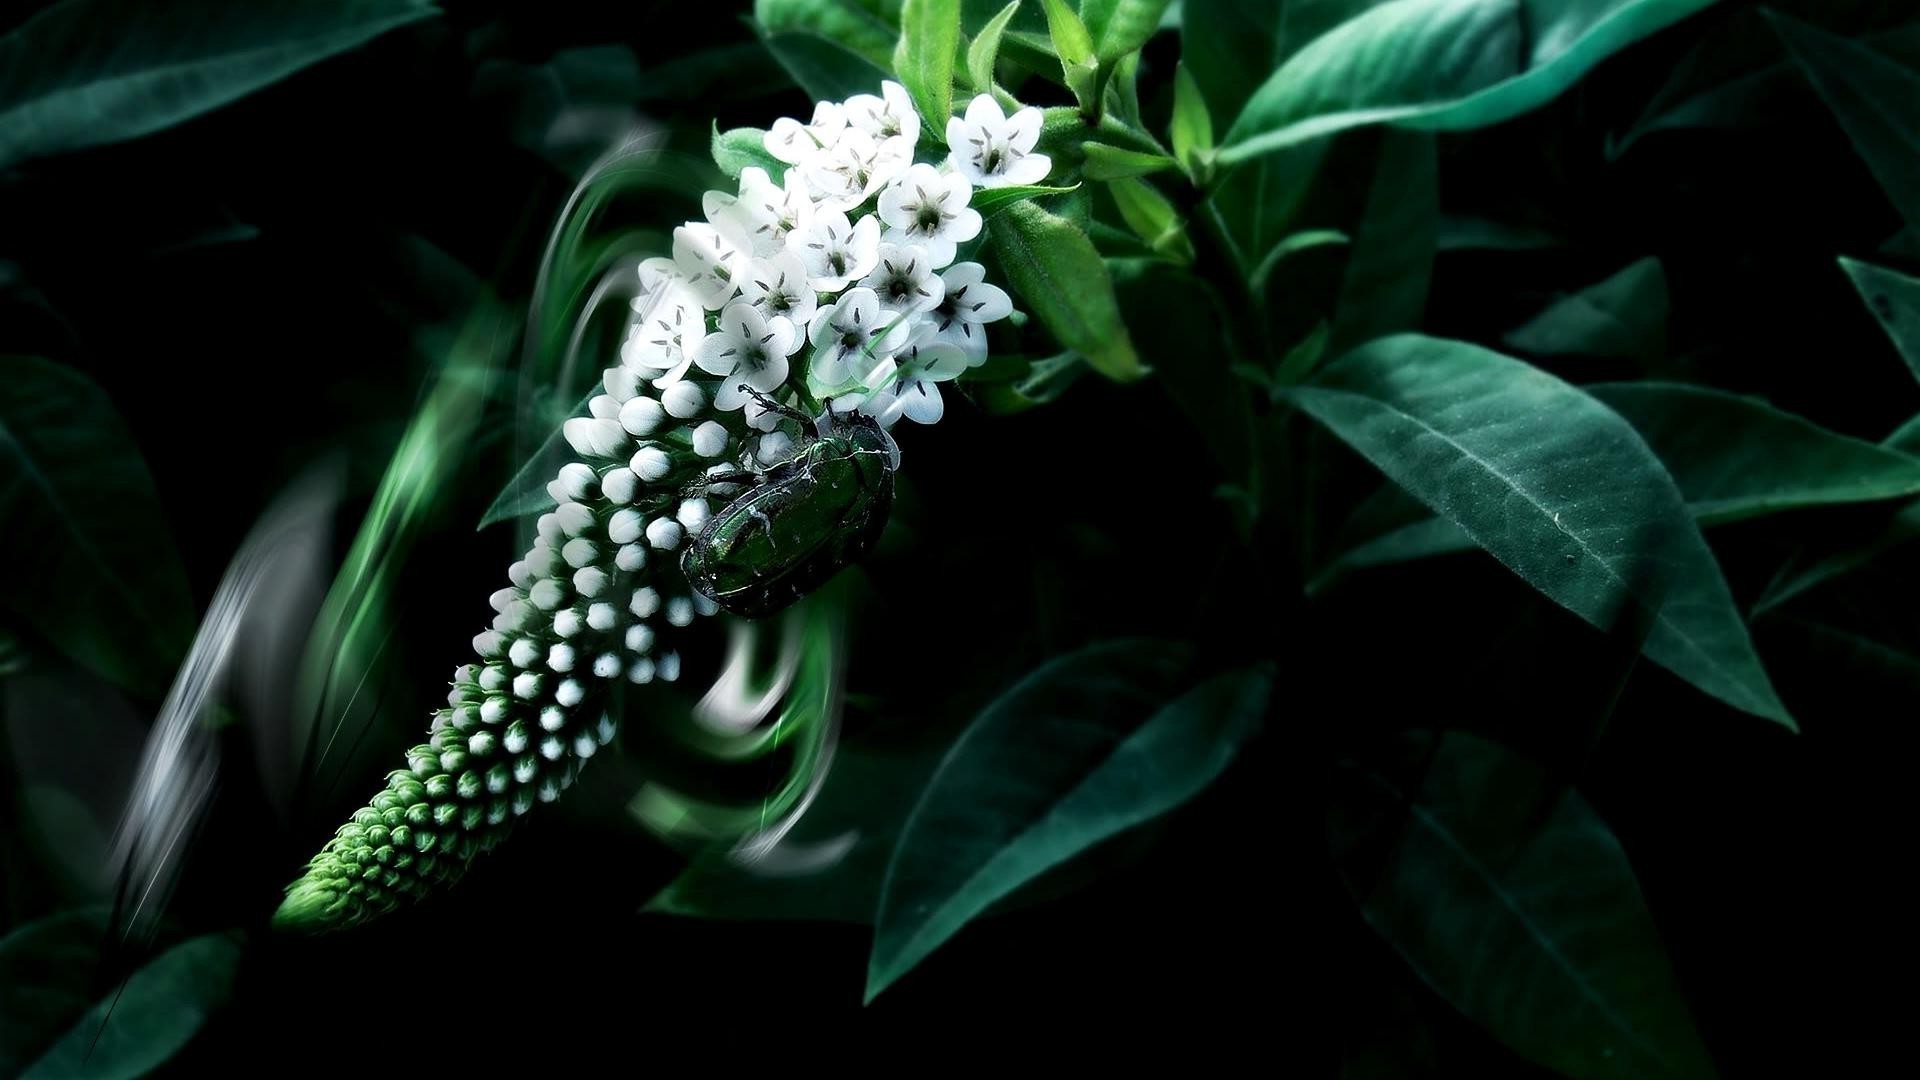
788,411
766,523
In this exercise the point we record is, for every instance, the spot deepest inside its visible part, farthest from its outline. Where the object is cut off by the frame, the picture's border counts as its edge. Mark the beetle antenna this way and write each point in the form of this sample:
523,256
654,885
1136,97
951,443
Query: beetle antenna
773,405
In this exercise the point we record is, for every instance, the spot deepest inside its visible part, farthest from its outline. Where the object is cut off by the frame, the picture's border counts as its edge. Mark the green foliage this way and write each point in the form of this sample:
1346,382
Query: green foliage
741,148
924,58
985,49
137,1029
110,590
1623,317
1875,99
1515,902
66,86
1894,299
1087,746
1058,273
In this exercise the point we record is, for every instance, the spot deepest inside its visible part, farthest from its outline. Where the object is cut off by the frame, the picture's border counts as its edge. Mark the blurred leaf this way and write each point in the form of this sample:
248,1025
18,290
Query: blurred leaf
929,42
1260,203
866,28
158,1011
1894,299
1293,244
1875,99
1114,163
1182,330
95,568
47,973
1514,901
568,110
1231,46
1152,218
1119,27
826,71
1085,747
1553,484
1056,272
1444,65
1391,265
990,201
1623,317
1041,381
1192,130
737,149
1457,233
985,50
527,492
68,82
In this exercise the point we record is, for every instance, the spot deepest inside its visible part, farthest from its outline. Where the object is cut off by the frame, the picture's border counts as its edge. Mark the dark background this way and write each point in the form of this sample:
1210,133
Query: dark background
1223,934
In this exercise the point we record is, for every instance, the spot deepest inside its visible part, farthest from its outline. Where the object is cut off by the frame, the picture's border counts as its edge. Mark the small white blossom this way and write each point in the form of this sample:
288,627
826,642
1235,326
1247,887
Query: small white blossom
709,262
619,485
668,327
764,214
759,417
778,286
603,617
794,143
592,436
852,336
889,116
645,601
992,149
630,557
603,407
683,400
967,303
913,392
566,622
650,463
693,515
928,208
625,525
749,349
664,534
848,173
904,280
621,383
639,637
589,580
560,658
837,252
710,438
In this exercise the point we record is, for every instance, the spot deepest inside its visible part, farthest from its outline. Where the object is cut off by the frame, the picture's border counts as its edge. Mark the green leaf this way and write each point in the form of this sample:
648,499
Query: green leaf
1153,219
1391,267
1119,27
1231,46
95,570
1292,245
1182,330
985,50
825,70
1623,317
1052,265
990,201
47,970
1039,383
1071,42
161,1008
1082,749
862,27
1513,900
1553,484
1894,299
1192,131
739,148
527,492
1445,65
929,42
67,85
1875,99
1114,163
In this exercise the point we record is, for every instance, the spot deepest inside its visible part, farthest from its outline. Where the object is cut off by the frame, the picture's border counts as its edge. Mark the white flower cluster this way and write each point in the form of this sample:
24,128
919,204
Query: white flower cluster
847,259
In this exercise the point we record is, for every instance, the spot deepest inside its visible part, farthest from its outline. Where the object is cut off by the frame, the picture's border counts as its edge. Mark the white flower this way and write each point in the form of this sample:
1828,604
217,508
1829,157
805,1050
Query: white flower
856,166
748,348
852,337
682,400
993,150
795,143
913,392
709,262
765,213
837,252
887,117
927,208
904,279
968,302
661,342
778,286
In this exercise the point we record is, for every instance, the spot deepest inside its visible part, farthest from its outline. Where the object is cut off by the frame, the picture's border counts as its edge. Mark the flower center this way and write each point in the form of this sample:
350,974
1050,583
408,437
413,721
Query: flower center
927,219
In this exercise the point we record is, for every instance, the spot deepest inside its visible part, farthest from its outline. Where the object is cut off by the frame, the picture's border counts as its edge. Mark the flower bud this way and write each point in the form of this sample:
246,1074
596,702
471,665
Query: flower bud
619,485
642,415
683,399
710,439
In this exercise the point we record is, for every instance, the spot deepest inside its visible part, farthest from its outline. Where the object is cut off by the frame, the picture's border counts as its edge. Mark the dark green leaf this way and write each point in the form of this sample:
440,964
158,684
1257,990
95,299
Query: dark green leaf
866,28
929,42
825,70
1391,266
1114,163
1041,381
1445,65
1231,46
95,569
1513,900
1553,484
739,148
161,1008
1875,99
88,72
1087,746
1181,328
1623,317
47,972
1119,27
1894,299
1054,269
985,49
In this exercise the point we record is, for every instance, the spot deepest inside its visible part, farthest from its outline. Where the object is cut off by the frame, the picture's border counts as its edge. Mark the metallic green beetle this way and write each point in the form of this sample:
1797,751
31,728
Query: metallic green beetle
800,521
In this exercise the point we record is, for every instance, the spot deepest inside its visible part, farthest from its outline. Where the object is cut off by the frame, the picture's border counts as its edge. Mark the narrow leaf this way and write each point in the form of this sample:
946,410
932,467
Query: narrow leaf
1192,132
1391,267
1875,99
1119,27
1071,42
1553,484
1052,265
1894,299
1623,317
161,1008
990,201
985,50
924,58
1115,163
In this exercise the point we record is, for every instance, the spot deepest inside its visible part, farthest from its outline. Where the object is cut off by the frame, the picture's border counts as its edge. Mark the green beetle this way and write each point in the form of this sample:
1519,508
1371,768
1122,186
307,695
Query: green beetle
800,521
